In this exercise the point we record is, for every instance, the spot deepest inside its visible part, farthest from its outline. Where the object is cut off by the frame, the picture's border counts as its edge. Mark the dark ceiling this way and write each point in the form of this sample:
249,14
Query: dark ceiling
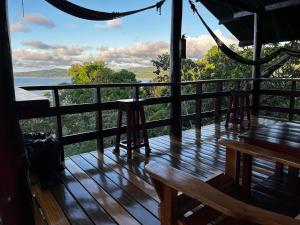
281,19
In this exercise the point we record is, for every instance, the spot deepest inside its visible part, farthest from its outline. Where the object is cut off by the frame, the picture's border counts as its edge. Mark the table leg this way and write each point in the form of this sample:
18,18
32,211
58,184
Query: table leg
247,173
232,164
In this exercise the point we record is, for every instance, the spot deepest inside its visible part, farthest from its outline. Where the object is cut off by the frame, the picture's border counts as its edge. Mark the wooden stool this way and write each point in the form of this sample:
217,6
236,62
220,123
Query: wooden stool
134,110
239,104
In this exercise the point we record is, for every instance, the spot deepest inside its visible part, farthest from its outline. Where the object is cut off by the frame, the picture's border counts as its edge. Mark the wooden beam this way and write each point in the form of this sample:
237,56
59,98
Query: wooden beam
267,8
175,68
240,4
16,205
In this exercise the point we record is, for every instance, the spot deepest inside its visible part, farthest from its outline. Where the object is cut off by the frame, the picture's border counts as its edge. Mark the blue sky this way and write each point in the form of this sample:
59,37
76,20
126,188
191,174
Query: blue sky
47,37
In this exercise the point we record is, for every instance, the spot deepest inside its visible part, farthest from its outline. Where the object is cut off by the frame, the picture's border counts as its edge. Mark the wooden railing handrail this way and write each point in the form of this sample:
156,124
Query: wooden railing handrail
98,106
108,85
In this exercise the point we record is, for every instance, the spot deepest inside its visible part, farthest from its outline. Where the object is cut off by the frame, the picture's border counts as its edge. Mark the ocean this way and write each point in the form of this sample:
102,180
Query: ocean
36,81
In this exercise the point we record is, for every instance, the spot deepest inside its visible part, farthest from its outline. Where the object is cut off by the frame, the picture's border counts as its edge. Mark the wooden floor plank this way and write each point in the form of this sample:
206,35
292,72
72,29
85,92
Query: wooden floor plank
51,209
91,207
102,176
114,189
169,160
132,165
70,206
144,186
112,207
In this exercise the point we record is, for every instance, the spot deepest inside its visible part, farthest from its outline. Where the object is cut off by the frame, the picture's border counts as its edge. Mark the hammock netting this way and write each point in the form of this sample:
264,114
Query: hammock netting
231,54
89,14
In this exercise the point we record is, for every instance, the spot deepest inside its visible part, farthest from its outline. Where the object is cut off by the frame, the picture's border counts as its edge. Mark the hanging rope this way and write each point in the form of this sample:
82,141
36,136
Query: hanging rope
231,54
89,14
23,10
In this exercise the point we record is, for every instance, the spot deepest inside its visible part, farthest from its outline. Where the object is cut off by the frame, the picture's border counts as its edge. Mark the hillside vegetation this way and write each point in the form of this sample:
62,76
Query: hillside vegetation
43,73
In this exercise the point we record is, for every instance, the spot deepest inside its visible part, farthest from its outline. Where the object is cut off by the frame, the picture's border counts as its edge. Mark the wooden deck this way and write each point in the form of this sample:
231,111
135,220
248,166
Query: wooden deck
110,189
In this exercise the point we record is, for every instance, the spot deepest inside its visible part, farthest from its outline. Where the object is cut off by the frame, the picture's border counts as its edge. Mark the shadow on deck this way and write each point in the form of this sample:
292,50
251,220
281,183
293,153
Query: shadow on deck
112,189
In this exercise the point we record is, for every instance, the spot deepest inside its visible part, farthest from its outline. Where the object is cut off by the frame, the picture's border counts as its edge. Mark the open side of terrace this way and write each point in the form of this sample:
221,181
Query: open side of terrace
108,188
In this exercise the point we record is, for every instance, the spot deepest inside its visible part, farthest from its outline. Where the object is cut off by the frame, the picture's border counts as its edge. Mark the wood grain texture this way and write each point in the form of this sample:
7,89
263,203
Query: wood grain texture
112,207
203,192
261,152
116,187
51,209
71,208
128,185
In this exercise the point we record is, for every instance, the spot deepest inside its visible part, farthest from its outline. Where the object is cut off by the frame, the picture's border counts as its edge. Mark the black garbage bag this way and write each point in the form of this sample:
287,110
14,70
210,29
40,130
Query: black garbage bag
44,156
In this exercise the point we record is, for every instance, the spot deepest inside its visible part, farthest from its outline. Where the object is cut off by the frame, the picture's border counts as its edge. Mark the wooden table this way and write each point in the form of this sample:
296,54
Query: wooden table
282,137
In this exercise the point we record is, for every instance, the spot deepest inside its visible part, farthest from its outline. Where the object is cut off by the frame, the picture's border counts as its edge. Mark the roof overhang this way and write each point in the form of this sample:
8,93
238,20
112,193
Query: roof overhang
281,19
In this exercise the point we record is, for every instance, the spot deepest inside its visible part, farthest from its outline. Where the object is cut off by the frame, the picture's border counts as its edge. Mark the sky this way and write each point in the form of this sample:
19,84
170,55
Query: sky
45,38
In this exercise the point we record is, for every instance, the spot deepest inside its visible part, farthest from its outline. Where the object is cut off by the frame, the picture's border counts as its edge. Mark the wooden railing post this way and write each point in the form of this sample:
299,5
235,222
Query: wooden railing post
59,132
292,100
99,127
199,87
218,102
136,97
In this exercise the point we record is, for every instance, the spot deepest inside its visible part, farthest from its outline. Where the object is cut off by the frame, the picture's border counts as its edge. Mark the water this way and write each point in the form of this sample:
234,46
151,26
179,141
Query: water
144,80
36,81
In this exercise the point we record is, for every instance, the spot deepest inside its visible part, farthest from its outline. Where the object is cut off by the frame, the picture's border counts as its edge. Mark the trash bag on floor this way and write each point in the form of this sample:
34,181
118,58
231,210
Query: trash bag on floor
44,156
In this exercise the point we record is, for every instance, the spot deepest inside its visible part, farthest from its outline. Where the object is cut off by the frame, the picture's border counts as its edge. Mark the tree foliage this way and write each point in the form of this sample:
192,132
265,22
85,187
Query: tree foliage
214,64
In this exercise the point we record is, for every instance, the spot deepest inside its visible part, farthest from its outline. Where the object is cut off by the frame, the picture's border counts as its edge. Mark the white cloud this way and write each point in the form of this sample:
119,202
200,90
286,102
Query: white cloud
38,19
111,24
42,55
37,44
19,27
142,53
31,19
138,54
47,56
198,46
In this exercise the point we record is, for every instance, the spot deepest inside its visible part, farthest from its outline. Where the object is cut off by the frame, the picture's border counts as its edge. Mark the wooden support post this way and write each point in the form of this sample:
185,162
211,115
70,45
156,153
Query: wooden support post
100,144
198,106
59,132
16,205
175,69
256,56
218,102
292,100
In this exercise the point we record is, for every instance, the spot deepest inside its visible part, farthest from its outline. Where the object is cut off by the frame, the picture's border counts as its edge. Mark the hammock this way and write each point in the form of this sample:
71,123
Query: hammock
231,54
88,14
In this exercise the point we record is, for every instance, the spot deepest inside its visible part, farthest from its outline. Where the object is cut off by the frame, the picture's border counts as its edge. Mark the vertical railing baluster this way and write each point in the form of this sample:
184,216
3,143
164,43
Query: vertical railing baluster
59,132
136,97
99,126
199,87
218,102
292,100
237,85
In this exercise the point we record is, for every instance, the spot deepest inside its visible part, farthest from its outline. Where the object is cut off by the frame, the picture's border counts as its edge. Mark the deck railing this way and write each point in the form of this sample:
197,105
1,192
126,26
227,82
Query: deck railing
287,91
218,93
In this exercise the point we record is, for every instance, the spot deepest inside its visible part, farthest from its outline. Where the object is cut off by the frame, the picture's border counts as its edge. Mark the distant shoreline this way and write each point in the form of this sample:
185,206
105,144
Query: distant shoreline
40,76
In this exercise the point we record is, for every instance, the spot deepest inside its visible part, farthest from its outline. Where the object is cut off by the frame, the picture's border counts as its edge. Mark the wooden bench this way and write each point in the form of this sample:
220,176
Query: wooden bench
221,200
